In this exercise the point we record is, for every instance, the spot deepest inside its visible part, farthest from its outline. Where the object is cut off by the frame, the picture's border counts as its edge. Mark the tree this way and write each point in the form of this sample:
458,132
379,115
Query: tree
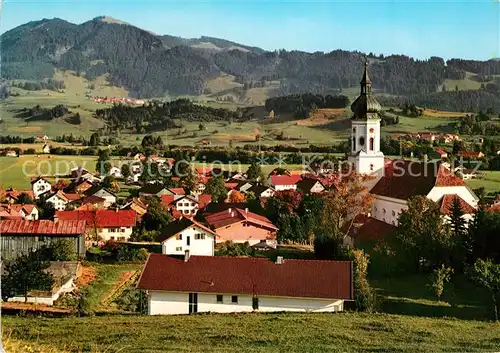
190,181
125,170
423,235
94,139
157,217
458,228
61,250
236,197
216,188
27,272
440,276
47,210
255,173
24,198
341,206
201,127
103,166
487,275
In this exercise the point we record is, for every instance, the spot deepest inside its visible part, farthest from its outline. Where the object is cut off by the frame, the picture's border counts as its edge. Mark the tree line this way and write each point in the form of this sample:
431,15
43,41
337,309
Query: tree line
302,105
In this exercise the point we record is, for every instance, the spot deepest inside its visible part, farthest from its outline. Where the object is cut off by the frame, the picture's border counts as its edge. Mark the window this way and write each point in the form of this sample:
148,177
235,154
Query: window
219,298
193,303
199,236
255,303
393,213
371,167
234,299
178,237
188,241
112,238
372,143
123,230
179,248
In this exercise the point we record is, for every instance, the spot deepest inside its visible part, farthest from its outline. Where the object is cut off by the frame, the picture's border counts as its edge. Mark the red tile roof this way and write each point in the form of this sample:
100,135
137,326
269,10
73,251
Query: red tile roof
72,197
494,208
405,179
251,276
447,200
469,154
177,191
101,218
236,215
285,179
15,193
371,229
45,227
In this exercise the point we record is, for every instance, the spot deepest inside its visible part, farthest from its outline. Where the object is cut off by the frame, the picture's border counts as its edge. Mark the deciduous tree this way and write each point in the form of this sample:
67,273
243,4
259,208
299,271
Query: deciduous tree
216,188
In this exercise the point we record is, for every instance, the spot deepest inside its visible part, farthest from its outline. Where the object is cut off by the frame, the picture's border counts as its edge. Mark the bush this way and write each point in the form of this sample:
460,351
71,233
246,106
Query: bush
364,295
229,248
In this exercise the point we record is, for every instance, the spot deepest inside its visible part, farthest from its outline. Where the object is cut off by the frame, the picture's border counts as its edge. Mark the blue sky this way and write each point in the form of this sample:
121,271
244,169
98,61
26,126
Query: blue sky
459,28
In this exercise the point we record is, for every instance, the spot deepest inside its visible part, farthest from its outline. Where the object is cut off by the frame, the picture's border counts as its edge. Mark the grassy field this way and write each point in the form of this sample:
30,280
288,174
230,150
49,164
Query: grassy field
342,332
491,181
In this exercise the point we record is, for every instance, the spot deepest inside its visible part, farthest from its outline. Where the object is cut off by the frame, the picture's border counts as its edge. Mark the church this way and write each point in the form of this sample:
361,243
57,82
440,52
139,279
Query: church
395,181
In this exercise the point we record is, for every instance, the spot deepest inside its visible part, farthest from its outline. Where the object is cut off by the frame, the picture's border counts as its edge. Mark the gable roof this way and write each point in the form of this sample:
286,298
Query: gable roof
49,194
306,185
236,215
404,179
42,227
285,179
96,188
178,226
152,188
370,229
251,276
13,193
100,218
34,180
447,200
258,189
177,191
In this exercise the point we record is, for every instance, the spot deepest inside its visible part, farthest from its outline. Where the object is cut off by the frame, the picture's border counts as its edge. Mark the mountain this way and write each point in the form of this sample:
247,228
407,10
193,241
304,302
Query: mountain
152,65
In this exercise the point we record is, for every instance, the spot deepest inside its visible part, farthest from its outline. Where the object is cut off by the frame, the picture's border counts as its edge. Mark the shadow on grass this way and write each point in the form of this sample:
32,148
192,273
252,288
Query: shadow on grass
411,295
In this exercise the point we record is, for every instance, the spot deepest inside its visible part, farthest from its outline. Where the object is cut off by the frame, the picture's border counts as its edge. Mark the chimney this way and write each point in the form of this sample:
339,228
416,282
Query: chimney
229,210
246,211
279,260
186,256
232,214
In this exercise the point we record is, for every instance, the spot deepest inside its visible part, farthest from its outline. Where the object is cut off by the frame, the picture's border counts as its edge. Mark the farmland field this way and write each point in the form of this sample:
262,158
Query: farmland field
491,181
341,332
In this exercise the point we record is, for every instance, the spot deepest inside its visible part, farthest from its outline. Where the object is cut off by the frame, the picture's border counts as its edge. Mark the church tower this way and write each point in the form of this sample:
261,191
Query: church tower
365,131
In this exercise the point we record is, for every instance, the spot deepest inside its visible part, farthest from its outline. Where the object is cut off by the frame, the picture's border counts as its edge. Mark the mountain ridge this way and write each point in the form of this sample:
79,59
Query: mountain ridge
152,65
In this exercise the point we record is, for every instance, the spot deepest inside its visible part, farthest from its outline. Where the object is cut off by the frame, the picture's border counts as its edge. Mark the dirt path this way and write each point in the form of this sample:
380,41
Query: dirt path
124,277
86,275
33,307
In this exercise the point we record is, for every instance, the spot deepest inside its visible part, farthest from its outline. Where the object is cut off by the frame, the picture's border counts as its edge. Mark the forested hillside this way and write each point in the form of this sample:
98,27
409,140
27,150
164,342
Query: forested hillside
150,65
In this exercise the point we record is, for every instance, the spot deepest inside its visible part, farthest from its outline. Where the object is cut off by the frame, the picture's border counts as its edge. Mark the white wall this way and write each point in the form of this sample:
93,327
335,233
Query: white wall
186,206
67,287
285,187
438,192
392,207
40,187
172,246
118,233
59,204
164,303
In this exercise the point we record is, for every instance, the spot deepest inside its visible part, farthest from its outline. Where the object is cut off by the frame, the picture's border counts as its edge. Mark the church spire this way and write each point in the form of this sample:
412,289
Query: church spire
366,83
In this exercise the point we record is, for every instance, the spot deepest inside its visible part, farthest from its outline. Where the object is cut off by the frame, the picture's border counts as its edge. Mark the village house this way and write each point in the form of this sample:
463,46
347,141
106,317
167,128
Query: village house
240,226
115,172
89,203
41,138
46,149
449,138
185,205
10,153
154,189
40,186
261,191
176,191
310,186
470,155
103,224
12,195
236,284
58,199
442,153
284,182
20,236
187,235
18,211
81,186
138,205
109,197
